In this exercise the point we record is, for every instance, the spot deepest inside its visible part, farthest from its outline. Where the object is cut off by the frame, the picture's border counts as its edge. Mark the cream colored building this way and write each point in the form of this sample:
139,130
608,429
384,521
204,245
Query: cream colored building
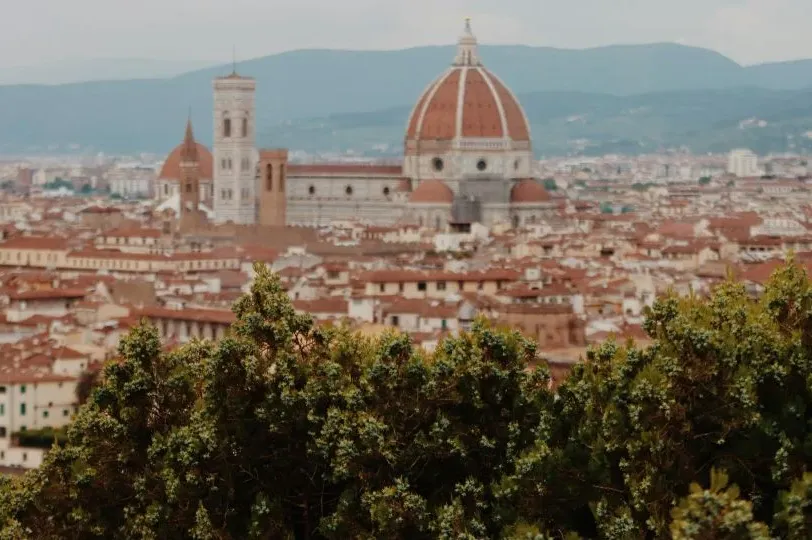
28,401
438,285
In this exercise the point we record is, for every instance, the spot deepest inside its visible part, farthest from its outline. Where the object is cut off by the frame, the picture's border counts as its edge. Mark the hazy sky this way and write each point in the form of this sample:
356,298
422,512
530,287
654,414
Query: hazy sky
36,31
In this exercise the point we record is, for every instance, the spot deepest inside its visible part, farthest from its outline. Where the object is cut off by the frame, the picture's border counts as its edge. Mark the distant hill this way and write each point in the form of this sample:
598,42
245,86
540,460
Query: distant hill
101,69
149,115
565,123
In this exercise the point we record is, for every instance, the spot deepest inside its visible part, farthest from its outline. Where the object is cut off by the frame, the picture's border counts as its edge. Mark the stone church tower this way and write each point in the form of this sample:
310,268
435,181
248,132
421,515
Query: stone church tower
272,176
189,208
234,150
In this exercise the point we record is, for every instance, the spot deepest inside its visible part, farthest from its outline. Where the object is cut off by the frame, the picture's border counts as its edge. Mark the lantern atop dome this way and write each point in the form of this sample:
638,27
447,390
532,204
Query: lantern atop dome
467,49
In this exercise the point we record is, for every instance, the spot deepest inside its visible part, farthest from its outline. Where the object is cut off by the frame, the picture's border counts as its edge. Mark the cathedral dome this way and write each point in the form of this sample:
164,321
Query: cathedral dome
432,192
467,101
171,167
528,191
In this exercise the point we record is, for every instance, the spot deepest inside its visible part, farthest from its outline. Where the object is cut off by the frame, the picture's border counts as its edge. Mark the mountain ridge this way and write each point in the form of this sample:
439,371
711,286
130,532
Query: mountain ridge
122,116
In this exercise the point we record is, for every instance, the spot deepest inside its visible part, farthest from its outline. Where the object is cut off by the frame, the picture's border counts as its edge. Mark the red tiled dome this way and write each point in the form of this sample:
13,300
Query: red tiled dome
467,101
528,191
432,192
171,167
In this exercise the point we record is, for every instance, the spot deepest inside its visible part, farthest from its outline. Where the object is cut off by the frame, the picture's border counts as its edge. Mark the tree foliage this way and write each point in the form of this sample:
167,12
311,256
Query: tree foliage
285,429
58,183
716,513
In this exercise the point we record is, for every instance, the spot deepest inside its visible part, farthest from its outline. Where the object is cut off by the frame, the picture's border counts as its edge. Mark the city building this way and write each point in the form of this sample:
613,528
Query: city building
132,182
743,163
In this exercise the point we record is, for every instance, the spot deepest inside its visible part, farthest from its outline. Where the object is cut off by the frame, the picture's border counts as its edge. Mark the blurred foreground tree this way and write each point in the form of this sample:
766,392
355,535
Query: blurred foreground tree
288,430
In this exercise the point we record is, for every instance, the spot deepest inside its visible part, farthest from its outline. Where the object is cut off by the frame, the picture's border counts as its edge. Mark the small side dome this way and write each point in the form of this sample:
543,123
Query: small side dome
432,192
171,167
528,191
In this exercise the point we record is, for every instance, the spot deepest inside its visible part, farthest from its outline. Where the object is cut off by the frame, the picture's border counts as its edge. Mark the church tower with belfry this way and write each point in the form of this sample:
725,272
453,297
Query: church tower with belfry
189,208
234,150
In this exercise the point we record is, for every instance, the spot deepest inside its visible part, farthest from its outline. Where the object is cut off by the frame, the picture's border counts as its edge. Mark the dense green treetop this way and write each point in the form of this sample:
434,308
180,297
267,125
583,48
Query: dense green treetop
285,429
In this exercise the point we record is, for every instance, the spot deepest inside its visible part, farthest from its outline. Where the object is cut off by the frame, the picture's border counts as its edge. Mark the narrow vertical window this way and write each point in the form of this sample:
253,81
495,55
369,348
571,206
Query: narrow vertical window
269,178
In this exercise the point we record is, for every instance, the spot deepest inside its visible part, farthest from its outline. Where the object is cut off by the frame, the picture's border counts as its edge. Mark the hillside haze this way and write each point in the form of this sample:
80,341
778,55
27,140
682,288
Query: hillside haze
293,87
72,71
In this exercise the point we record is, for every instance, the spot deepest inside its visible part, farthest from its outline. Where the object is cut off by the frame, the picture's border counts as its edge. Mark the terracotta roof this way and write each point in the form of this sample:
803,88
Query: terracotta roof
485,99
115,254
44,294
528,191
322,305
171,167
66,353
412,276
557,289
432,192
220,316
35,242
133,233
422,307
30,377
677,229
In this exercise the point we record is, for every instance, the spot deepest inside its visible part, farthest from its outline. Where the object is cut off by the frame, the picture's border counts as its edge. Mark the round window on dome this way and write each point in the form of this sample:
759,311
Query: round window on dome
311,190
481,165
438,164
348,190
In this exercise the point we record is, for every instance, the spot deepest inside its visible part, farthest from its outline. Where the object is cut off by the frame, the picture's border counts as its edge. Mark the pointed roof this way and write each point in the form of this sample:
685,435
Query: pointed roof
467,48
188,151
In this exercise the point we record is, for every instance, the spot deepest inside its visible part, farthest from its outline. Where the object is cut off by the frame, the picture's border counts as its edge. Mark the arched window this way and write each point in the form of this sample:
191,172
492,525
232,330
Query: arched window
437,222
166,189
269,177
188,187
245,127
226,126
516,222
348,191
